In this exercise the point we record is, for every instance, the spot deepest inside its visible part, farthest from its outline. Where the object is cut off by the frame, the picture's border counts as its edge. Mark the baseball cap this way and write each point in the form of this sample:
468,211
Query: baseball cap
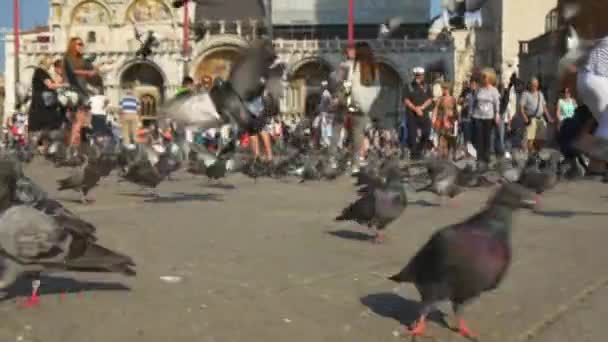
418,70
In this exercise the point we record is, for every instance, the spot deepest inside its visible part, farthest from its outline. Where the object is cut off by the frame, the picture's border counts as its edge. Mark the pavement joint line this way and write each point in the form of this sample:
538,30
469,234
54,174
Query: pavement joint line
311,280
108,207
552,318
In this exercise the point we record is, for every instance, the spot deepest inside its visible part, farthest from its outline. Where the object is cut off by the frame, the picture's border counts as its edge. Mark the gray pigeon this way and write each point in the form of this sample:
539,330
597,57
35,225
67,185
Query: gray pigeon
256,70
463,260
32,241
443,175
541,179
379,205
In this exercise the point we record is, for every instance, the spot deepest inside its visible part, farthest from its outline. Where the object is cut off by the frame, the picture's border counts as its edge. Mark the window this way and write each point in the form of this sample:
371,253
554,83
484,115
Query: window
91,37
551,21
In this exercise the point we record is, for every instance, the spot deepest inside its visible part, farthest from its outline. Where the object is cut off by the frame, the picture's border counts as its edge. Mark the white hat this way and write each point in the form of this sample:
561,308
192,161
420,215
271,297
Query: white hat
418,70
324,83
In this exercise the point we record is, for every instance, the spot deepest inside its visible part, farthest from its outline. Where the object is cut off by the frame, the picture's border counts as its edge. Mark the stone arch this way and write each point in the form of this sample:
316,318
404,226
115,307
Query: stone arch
84,13
149,83
216,60
304,87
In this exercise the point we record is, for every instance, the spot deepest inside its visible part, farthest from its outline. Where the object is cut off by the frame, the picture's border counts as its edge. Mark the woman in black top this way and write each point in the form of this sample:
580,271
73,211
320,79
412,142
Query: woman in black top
44,114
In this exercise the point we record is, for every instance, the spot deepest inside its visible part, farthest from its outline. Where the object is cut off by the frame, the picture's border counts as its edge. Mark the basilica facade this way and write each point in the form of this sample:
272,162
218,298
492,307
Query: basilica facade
107,27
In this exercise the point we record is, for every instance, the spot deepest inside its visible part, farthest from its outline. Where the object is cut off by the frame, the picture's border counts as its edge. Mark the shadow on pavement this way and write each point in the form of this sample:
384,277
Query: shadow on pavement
351,235
568,213
51,285
403,310
220,186
423,203
176,197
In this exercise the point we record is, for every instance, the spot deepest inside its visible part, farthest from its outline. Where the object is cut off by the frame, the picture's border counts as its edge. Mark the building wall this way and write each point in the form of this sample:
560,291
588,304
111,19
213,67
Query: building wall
334,12
522,20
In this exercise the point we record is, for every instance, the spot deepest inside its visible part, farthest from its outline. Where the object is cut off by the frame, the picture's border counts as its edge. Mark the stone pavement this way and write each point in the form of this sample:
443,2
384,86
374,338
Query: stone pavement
265,262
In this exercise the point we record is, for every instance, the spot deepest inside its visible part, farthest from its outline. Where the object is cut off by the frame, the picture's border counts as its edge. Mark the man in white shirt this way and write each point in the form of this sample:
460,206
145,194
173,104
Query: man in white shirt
99,121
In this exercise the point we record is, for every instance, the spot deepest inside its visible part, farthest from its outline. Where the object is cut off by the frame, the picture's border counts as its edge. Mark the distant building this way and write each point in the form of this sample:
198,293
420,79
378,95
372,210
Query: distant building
505,24
309,36
539,57
2,96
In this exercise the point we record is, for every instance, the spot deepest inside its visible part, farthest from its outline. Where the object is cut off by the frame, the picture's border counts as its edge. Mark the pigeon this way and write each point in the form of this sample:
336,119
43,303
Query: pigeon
8,183
468,177
32,241
379,206
463,260
388,27
443,174
82,180
541,179
257,71
214,167
148,168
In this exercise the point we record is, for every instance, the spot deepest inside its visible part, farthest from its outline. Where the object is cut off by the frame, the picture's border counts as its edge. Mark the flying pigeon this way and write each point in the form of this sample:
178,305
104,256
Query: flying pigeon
463,260
389,27
379,206
256,72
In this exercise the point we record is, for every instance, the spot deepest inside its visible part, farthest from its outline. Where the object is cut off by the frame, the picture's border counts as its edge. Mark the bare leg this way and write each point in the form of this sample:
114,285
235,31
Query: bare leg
255,146
267,145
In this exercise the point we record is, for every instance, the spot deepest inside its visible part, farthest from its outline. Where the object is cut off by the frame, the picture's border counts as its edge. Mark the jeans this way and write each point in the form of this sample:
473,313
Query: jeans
402,129
483,138
414,123
466,127
499,139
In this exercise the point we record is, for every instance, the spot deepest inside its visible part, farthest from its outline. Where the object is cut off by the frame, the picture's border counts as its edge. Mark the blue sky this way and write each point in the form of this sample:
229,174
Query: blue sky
33,12
36,12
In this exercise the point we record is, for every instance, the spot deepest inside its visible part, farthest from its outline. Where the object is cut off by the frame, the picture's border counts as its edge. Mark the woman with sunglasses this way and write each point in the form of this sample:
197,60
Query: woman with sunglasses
79,73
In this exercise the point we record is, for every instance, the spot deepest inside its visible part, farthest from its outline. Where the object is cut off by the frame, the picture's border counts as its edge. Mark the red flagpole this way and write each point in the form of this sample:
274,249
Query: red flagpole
16,34
351,23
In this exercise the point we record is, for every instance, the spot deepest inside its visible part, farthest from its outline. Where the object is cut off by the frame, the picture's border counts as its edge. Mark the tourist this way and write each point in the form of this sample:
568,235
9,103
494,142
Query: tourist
467,101
44,112
533,106
486,116
77,72
508,104
129,120
365,79
445,121
566,105
257,108
418,99
99,119
517,124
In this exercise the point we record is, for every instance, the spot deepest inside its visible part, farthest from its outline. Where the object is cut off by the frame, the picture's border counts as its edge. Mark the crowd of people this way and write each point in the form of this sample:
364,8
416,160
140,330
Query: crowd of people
487,119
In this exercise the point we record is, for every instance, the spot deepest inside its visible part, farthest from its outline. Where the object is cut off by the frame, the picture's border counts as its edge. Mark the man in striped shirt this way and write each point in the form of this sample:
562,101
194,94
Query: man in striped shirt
129,120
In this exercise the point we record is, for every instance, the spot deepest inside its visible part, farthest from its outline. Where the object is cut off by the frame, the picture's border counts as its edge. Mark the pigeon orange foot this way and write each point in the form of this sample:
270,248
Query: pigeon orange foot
419,328
34,299
464,330
379,237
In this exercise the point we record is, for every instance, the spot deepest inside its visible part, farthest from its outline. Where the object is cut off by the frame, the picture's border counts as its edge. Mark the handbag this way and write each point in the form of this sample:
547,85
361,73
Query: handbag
49,98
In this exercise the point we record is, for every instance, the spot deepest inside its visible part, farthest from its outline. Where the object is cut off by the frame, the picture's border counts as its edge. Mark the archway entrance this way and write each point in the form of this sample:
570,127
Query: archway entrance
148,84
217,64
304,89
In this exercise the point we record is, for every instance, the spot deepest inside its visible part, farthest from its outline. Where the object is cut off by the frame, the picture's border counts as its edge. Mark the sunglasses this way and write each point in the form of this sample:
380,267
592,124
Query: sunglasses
80,44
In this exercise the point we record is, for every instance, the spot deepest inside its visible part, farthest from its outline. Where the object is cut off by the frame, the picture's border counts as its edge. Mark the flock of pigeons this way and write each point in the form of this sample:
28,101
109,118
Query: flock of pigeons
458,263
